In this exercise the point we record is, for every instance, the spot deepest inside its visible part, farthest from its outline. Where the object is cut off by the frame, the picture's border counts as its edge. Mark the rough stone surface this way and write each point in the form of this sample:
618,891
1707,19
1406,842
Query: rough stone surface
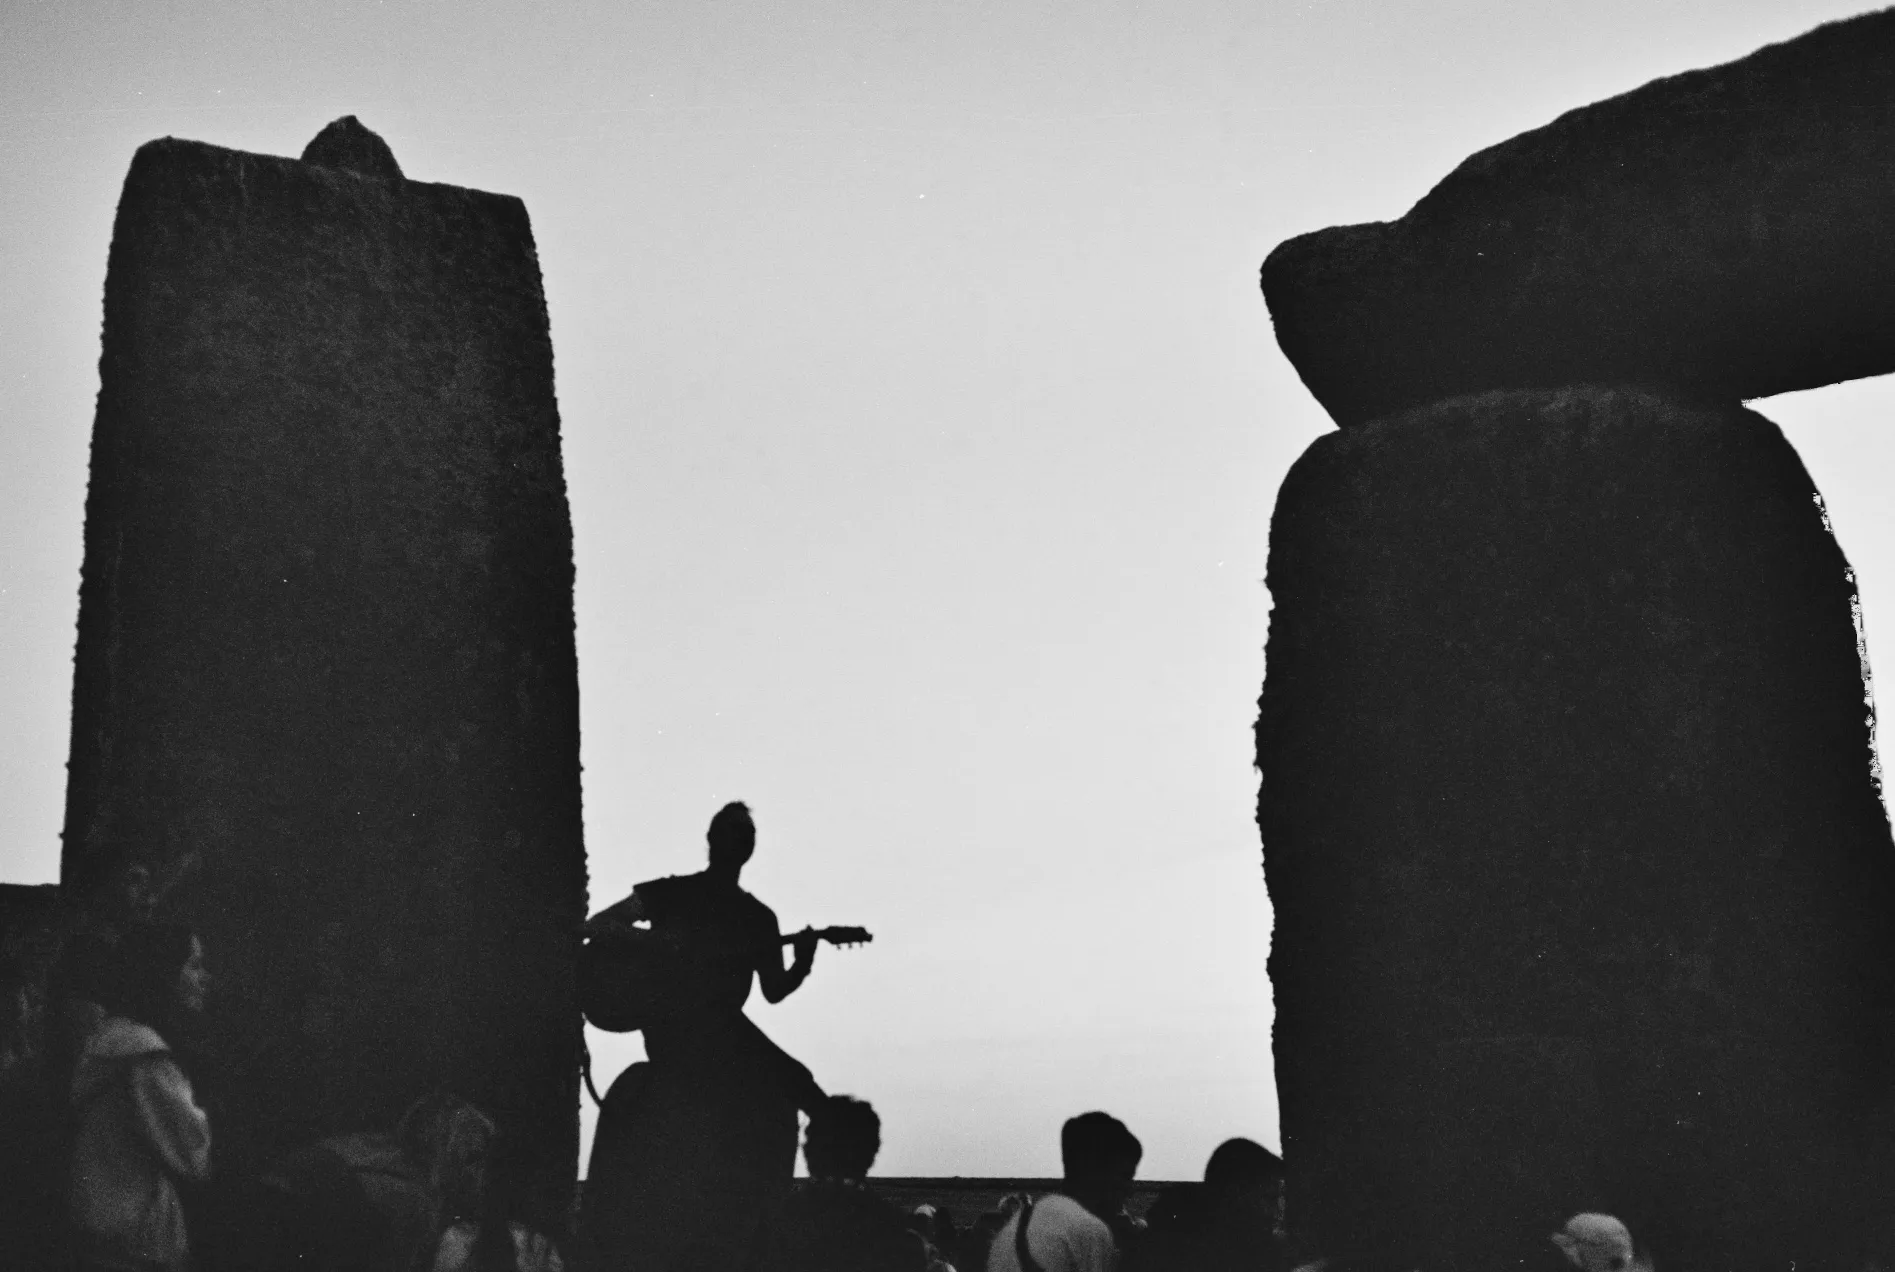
326,640
25,911
1584,896
1728,233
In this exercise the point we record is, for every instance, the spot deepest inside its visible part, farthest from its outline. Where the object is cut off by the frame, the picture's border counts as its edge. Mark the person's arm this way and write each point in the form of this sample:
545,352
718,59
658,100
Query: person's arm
773,978
177,1129
617,920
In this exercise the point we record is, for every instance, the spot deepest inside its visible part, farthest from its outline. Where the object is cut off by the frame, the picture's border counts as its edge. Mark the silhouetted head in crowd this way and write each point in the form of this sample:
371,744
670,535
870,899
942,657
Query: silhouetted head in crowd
936,1224
843,1138
1596,1243
156,972
732,837
1244,1181
446,1140
137,891
1100,1157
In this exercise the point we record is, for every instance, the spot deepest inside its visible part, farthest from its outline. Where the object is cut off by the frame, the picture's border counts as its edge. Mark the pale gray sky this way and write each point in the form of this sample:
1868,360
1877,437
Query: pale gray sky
922,424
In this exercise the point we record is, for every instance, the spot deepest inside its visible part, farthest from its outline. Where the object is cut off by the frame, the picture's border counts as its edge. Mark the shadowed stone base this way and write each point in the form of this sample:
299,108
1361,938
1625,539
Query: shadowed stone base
1583,891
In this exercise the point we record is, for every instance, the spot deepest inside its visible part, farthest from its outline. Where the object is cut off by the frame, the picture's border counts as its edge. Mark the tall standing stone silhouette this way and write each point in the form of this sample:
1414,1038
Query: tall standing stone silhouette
1585,899
326,636
1585,894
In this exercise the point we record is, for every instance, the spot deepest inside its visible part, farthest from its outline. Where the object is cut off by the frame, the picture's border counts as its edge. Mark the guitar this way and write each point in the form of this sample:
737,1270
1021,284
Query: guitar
628,975
841,937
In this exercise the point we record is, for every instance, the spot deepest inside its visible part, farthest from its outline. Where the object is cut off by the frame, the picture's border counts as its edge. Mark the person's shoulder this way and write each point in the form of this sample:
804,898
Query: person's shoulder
834,1195
846,1203
813,1204
118,1049
1069,1212
879,1230
1072,1221
876,1209
120,1038
804,1226
667,891
809,1196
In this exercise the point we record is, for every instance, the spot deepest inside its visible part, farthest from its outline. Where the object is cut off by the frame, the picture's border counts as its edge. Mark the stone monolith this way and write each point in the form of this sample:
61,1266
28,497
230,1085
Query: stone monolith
325,637
1585,899
1726,234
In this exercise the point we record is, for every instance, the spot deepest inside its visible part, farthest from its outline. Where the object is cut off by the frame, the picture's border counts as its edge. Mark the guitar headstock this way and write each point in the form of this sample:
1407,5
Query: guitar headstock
845,935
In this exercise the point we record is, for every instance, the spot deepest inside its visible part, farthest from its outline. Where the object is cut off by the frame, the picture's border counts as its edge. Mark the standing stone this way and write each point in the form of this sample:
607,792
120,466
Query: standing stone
1585,898
326,637
1727,232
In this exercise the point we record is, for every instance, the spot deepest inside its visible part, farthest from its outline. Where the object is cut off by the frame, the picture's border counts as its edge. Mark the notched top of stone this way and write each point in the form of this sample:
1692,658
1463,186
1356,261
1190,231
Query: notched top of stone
192,171
1728,233
350,145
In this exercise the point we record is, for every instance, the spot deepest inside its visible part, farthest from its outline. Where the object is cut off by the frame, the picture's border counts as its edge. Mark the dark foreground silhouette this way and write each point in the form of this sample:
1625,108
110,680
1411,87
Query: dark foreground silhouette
1585,899
1582,883
325,635
698,1143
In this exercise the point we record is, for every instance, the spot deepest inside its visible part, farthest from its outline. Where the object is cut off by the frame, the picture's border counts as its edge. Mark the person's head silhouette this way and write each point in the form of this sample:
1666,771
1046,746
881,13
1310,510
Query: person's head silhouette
843,1137
157,976
732,837
1594,1242
1101,1159
1244,1181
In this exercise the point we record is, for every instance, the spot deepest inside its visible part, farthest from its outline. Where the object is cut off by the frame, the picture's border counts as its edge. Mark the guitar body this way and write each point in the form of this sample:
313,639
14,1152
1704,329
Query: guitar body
621,985
627,981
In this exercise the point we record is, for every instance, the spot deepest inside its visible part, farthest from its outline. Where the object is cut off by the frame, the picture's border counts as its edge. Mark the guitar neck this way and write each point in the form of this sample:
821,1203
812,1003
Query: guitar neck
833,935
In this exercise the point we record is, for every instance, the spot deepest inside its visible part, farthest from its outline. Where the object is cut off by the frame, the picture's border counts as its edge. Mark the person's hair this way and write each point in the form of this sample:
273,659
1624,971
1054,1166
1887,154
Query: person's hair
1096,1144
447,1139
843,1138
733,832
141,976
1237,1165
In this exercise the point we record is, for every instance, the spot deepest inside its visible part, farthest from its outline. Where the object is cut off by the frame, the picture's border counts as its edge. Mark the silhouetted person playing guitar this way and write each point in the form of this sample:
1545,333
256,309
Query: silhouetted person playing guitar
696,1145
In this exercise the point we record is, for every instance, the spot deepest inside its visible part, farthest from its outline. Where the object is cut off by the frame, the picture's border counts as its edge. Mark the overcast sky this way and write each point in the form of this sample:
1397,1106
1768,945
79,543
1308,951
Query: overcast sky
922,424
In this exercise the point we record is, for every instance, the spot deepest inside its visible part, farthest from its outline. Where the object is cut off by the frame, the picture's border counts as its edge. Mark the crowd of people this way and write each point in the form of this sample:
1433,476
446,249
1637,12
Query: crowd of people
836,1223
110,1162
